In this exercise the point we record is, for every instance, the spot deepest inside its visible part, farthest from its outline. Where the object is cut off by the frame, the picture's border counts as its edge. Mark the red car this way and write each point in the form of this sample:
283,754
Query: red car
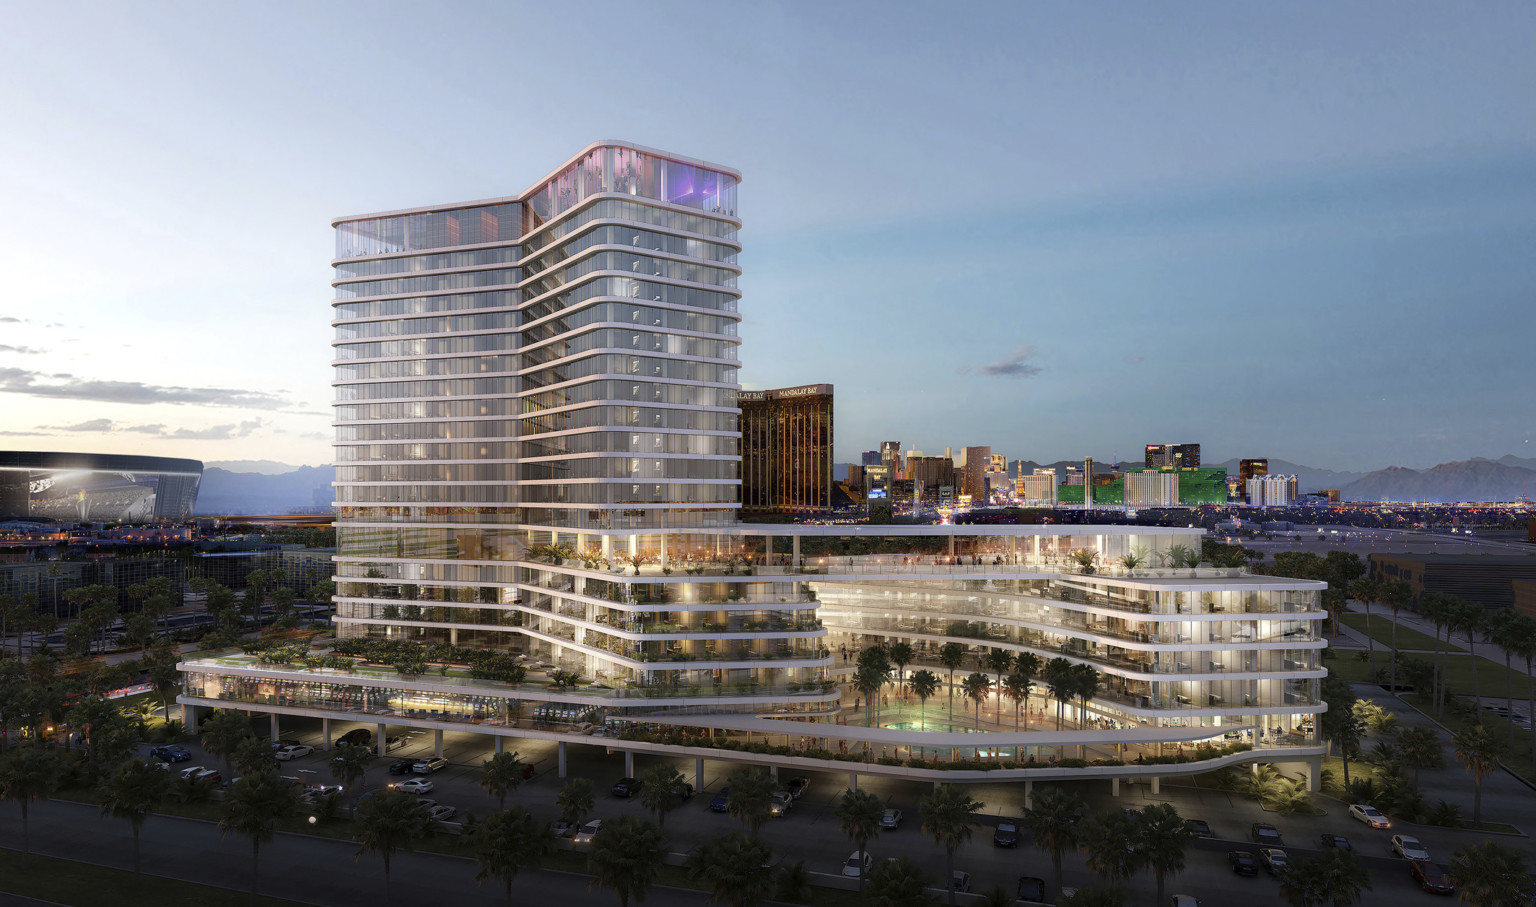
1431,877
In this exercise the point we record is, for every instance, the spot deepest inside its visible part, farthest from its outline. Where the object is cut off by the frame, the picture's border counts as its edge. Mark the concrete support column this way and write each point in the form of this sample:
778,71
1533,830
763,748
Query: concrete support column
379,739
1114,787
1157,785
607,548
189,719
325,733
698,774
664,548
560,750
951,546
629,763
500,743
453,636
1029,795
853,781
437,743
275,732
768,550
795,550
774,771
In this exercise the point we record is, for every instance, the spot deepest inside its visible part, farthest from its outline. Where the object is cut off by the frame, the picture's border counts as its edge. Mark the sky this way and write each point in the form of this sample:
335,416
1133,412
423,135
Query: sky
1301,231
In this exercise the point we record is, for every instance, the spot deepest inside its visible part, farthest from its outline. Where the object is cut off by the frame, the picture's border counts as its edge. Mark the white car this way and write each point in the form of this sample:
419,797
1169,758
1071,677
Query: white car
293,752
782,801
587,832
857,864
1370,815
414,786
201,773
441,813
891,818
1409,848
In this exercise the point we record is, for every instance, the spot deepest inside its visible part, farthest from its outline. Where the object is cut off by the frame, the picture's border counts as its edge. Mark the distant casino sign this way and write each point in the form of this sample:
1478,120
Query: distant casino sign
806,390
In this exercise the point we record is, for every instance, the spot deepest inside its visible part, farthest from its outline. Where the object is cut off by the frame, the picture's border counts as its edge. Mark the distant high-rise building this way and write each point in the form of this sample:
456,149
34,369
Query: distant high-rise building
1272,491
932,473
997,463
1038,489
869,458
1247,469
786,449
1177,456
890,456
1151,489
973,472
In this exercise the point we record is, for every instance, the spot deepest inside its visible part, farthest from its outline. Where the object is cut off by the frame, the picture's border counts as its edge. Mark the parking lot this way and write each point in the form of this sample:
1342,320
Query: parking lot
811,832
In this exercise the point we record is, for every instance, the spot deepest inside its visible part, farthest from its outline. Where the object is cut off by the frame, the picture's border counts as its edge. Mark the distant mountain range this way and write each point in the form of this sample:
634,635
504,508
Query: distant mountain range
1477,479
227,489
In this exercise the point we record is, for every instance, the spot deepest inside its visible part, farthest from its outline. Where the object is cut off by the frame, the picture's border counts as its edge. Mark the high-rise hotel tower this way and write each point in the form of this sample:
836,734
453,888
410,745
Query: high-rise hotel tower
537,490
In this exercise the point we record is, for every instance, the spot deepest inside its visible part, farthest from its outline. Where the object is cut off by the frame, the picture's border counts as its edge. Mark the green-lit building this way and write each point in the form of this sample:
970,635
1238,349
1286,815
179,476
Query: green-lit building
1198,485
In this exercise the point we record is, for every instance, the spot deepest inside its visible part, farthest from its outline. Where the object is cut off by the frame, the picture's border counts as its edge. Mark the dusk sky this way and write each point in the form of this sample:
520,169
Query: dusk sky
1303,231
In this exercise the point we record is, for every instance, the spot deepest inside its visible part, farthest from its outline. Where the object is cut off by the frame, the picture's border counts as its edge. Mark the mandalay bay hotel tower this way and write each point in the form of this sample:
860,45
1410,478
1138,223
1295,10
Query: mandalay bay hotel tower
538,459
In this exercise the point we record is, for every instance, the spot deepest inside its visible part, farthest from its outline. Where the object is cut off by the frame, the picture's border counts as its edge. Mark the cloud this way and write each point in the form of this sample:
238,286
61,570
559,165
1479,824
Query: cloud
212,433
216,433
1012,367
7,319
1135,359
25,350
89,425
23,434
66,386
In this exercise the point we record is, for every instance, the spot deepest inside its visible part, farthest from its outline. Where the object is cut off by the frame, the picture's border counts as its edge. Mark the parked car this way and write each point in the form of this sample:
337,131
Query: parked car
402,766
782,801
293,751
394,743
1243,862
1199,828
890,819
284,741
441,813
1431,877
413,786
201,773
587,832
170,752
562,828
1275,860
626,787
1370,815
722,800
1266,834
1006,834
1031,890
428,766
1338,842
960,881
798,786
1408,847
356,737
323,789
857,864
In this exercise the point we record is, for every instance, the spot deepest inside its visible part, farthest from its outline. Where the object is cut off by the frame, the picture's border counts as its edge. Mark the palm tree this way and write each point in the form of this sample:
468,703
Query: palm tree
1366,590
952,656
1434,608
1526,648
662,789
1084,558
223,731
1490,874
949,814
133,792
350,764
1134,558
387,822
576,799
1097,896
1163,838
924,684
1000,661
1108,839
1396,595
1058,678
1340,726
254,805
751,796
901,655
500,775
1512,632
28,774
858,813
900,882
1418,747
793,883
1052,821
1016,688
508,842
1478,751
627,853
734,869
1085,685
1469,618
977,688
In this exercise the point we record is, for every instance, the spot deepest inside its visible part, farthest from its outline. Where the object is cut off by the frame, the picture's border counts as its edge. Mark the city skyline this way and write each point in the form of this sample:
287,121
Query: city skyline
1232,226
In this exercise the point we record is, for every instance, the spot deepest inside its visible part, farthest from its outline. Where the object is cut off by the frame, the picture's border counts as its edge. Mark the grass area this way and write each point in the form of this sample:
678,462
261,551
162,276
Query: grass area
1381,631
71,882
